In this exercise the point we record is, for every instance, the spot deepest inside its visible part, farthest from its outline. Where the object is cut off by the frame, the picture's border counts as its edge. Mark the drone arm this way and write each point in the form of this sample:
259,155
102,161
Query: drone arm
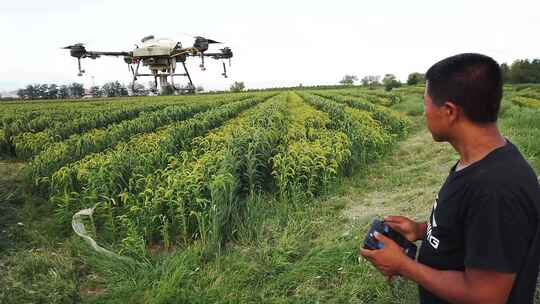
218,55
92,54
187,52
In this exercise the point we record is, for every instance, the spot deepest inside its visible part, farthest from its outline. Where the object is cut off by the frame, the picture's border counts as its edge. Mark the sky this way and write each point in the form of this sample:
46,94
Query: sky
275,43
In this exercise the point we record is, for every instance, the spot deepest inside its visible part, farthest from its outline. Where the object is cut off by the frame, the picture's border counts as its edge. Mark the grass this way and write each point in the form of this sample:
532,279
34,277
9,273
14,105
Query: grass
288,252
411,105
37,264
9,202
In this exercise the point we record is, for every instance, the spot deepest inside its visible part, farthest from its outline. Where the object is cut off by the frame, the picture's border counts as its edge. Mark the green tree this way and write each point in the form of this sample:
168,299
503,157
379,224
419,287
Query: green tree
32,91
42,91
348,80
416,78
21,93
52,91
371,81
390,81
238,86
76,90
524,71
505,70
96,91
63,92
113,89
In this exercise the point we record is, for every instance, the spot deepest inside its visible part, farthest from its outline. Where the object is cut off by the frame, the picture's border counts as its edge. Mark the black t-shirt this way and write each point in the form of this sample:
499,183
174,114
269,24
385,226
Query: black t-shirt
486,216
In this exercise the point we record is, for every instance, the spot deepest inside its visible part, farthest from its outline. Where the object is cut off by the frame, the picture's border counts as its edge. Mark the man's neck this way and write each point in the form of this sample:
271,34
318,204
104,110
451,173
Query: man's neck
473,143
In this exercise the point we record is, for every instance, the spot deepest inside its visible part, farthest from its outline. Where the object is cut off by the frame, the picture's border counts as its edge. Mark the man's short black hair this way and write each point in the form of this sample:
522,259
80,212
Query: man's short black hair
471,81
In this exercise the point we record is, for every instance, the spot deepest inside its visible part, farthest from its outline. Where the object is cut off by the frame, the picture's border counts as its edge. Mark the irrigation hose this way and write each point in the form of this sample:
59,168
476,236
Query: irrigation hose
80,230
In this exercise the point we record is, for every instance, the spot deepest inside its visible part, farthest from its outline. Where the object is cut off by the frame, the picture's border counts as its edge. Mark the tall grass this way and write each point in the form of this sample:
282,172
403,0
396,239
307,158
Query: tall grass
522,126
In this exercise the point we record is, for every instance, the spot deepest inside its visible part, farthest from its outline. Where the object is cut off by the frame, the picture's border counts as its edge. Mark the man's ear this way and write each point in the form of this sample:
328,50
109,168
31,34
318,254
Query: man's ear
452,111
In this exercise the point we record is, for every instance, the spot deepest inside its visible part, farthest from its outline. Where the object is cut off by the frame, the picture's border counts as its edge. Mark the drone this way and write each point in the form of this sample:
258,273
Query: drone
161,56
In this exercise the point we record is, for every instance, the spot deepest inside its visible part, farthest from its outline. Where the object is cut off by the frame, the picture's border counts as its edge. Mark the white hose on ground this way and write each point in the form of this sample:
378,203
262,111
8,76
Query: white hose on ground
80,230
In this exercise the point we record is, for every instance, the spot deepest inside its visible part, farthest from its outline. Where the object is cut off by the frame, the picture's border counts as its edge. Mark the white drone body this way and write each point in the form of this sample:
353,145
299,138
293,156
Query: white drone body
155,47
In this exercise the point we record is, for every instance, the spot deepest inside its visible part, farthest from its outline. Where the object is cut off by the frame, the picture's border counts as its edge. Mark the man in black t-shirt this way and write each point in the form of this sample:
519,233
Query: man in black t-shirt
482,241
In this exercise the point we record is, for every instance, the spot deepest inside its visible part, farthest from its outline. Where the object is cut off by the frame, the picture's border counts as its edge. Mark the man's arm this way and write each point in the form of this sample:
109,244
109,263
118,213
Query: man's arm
471,286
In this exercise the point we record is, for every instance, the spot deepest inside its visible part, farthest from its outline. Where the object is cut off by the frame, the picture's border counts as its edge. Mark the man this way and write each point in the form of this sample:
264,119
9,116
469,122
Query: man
482,241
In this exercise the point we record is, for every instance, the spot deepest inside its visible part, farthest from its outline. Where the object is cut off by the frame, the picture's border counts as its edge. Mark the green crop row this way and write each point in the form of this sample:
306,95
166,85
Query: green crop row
392,121
27,111
373,96
25,114
409,90
369,139
117,171
526,102
530,92
312,156
68,118
200,194
29,144
77,146
19,120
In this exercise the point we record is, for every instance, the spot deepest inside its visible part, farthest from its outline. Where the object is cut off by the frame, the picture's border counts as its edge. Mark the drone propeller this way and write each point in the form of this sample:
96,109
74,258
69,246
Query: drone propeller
209,41
74,46
197,37
202,44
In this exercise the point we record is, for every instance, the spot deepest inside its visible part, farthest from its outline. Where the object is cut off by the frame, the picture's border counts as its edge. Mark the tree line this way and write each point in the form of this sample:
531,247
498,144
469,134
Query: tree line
109,89
76,90
51,91
389,81
522,71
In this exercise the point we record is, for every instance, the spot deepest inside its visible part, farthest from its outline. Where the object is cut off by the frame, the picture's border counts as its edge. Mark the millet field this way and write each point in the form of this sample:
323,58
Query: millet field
254,197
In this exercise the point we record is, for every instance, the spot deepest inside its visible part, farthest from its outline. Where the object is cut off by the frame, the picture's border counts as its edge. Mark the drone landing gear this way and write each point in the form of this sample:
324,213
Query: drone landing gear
81,71
163,81
224,74
203,68
191,86
135,74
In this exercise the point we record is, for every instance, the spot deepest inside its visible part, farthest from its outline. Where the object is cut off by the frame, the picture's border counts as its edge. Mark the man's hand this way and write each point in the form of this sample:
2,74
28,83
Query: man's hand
389,259
410,229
